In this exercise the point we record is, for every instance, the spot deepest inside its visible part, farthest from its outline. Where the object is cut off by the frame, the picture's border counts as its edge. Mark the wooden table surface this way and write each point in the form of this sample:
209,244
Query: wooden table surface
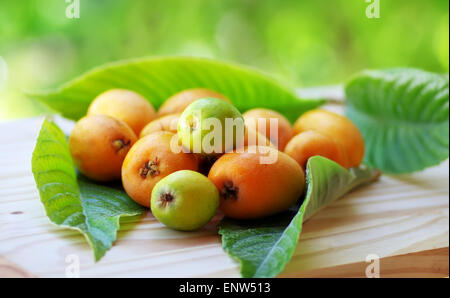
404,220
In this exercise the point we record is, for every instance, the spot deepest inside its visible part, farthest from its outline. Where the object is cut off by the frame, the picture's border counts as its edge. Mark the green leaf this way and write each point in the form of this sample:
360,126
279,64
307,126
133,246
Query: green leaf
403,115
263,247
159,78
74,202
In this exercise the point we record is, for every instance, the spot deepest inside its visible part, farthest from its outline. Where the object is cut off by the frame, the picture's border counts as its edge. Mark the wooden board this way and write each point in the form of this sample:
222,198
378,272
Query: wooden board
403,220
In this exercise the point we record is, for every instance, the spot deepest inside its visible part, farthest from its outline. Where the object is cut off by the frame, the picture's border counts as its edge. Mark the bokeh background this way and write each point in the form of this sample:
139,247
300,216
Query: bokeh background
302,43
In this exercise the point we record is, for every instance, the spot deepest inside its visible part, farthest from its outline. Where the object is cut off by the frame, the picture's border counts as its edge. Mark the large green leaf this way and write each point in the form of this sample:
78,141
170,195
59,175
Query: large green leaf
74,202
263,247
403,115
159,78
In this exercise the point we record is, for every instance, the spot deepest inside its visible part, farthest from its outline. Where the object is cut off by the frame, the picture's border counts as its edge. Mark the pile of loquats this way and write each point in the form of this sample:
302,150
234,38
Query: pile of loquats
123,137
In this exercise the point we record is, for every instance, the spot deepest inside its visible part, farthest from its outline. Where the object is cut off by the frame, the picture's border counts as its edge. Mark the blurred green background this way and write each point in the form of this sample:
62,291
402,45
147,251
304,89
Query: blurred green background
303,43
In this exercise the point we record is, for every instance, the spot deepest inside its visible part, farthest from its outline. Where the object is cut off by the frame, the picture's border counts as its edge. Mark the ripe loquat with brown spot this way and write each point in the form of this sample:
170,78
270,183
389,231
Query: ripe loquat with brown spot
98,145
250,189
152,158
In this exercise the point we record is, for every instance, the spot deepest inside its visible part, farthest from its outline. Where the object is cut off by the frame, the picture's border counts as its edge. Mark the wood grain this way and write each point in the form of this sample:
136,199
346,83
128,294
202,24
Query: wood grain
428,263
404,220
10,270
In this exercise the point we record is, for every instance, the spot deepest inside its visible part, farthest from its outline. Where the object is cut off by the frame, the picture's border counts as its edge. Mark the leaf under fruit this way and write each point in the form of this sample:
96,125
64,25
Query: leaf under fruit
73,202
263,247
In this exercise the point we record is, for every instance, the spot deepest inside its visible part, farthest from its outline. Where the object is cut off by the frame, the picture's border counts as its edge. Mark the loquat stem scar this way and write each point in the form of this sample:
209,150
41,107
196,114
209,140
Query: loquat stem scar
229,191
150,169
166,199
120,144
